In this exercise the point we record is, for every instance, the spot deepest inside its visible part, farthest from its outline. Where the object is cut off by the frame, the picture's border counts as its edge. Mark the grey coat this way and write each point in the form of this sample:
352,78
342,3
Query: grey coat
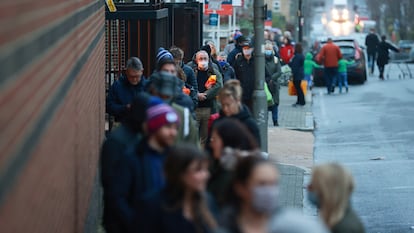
272,74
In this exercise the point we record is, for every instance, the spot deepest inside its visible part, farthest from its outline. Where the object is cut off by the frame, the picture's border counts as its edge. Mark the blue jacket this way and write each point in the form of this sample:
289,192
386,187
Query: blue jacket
296,64
231,58
191,83
135,175
120,94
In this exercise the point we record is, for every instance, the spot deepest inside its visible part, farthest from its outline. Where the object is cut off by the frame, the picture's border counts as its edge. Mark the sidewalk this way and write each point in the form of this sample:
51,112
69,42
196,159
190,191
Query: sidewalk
291,146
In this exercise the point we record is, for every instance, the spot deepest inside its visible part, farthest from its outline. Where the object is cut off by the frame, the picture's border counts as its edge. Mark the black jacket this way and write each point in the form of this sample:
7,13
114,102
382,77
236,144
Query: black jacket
383,52
296,64
191,82
350,223
245,74
371,41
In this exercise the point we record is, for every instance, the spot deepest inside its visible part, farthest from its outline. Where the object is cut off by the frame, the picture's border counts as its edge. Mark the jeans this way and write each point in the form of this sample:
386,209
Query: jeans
301,96
342,80
275,112
371,60
202,116
308,78
330,74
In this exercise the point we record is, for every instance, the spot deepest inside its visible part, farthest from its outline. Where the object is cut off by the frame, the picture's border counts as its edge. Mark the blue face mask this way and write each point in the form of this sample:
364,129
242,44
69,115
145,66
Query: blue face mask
314,199
222,63
268,53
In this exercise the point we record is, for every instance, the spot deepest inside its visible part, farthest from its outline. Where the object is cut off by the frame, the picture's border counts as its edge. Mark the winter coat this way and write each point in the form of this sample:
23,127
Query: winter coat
309,64
350,223
371,41
120,94
272,74
245,74
228,72
191,83
329,55
286,53
136,174
161,214
296,65
113,149
231,57
213,91
383,52
219,182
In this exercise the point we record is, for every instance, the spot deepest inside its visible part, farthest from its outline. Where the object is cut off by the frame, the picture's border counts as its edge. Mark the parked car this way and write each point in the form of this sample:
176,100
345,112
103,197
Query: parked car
406,53
350,50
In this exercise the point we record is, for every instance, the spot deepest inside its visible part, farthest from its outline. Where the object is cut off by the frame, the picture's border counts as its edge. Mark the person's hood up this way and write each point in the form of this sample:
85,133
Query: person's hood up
309,56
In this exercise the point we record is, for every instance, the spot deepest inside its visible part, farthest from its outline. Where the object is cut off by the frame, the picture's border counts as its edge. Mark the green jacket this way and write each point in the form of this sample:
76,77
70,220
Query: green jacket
342,65
309,64
273,72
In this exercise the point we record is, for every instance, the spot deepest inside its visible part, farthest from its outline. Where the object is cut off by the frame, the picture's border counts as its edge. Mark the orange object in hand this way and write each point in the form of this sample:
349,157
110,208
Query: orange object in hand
186,91
210,81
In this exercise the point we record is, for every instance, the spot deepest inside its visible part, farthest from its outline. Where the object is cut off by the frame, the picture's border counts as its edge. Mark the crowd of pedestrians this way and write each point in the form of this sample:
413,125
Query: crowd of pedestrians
184,155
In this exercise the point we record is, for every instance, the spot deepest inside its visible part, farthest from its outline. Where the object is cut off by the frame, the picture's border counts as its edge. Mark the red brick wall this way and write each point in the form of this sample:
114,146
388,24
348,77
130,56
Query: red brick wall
51,112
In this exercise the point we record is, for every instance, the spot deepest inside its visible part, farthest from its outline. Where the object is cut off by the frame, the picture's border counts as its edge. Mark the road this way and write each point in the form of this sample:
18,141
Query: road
370,130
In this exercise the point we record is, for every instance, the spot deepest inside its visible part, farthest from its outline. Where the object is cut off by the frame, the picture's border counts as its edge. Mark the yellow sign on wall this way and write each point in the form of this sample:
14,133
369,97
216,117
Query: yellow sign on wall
111,5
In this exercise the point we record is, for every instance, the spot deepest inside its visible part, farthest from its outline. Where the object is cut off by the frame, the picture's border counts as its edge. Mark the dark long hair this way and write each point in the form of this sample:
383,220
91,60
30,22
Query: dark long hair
178,160
235,134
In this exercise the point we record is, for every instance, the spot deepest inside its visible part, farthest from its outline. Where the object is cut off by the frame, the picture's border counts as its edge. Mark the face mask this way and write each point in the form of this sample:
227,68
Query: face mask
202,65
247,51
265,198
268,53
314,199
222,63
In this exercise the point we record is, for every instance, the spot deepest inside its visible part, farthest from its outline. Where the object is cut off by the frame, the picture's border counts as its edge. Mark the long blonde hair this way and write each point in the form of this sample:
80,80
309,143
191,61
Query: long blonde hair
231,88
334,185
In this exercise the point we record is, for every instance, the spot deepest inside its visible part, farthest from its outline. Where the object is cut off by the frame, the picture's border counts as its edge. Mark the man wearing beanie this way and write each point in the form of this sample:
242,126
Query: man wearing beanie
139,171
125,89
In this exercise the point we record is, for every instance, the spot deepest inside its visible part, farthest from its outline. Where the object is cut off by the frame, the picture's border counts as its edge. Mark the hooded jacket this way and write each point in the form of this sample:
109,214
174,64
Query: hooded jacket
122,93
309,64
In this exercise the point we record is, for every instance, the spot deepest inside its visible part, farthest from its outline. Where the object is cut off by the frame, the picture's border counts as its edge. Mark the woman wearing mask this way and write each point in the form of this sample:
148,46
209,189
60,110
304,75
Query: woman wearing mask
182,207
255,196
272,75
330,191
298,72
227,134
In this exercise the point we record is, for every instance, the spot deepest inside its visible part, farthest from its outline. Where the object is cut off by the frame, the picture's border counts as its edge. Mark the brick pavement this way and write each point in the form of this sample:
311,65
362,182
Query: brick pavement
291,146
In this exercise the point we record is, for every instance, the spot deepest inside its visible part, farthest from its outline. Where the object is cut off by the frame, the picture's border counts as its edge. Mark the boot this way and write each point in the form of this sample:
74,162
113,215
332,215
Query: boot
275,123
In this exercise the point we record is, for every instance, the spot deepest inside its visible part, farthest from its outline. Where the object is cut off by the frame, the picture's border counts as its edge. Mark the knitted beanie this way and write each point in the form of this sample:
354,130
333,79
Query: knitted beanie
163,54
160,115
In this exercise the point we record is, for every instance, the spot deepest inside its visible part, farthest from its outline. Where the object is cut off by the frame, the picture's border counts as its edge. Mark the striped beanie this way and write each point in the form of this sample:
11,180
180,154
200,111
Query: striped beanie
163,54
160,115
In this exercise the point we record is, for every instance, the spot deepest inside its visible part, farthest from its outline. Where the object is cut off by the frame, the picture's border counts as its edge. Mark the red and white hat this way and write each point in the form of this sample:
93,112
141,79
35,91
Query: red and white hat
160,115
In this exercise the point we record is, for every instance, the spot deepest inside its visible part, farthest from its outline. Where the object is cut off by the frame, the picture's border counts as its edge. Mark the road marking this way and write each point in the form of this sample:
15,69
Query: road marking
323,108
400,187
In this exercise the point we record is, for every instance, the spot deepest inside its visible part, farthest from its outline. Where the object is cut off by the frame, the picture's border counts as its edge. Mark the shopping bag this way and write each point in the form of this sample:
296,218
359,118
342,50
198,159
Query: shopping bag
292,89
269,96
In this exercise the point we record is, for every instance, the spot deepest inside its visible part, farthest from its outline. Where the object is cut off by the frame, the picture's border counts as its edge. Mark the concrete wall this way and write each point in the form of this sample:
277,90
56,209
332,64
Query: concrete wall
51,114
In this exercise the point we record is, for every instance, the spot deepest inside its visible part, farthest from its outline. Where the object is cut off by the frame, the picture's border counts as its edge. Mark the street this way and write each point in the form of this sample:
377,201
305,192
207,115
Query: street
370,130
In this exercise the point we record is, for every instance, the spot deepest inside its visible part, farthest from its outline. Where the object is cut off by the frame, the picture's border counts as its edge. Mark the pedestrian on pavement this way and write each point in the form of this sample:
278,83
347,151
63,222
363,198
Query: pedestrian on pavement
309,65
166,86
228,71
139,171
232,42
183,206
371,41
244,68
125,89
190,79
287,50
343,74
210,48
383,54
127,134
254,196
297,66
329,56
273,72
227,135
209,83
330,191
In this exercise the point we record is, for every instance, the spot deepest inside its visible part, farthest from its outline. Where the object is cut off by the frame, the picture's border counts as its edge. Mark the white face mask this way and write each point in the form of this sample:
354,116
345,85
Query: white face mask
247,51
202,65
265,198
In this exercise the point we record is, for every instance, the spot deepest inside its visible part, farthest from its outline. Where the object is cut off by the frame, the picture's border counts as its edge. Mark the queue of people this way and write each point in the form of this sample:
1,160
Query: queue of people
184,154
